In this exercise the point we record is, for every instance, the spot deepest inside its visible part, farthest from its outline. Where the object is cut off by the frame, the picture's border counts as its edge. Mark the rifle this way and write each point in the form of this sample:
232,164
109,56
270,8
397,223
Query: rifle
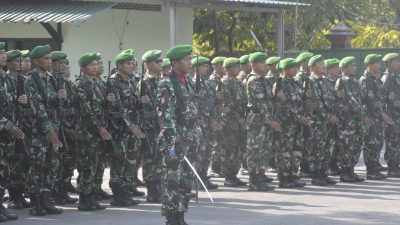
306,105
61,113
142,92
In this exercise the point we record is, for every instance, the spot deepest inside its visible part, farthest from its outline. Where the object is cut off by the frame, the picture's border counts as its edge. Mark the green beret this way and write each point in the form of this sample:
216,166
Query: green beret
13,54
40,51
244,59
313,60
372,58
229,62
346,61
218,59
151,55
25,53
273,60
58,55
258,57
166,62
329,63
304,56
390,57
87,58
287,63
179,51
198,61
2,45
124,56
98,56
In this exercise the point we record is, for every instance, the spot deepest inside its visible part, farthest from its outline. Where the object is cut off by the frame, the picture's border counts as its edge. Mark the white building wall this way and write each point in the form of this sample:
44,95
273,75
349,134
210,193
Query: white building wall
146,30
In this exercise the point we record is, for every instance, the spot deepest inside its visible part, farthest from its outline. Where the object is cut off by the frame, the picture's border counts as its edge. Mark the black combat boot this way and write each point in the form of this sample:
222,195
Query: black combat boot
374,174
298,182
326,178
92,200
71,188
355,176
127,197
37,208
103,195
66,197
305,169
58,198
133,191
48,205
171,219
6,214
181,218
346,175
286,182
14,202
317,179
256,185
239,181
264,178
230,181
138,182
85,204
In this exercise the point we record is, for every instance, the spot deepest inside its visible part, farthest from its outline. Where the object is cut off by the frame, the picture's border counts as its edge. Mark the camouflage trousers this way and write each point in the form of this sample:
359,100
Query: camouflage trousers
151,156
316,146
288,153
4,170
332,143
67,166
373,143
302,146
392,142
242,140
258,145
349,141
44,163
231,153
19,166
88,160
124,160
216,152
204,151
101,166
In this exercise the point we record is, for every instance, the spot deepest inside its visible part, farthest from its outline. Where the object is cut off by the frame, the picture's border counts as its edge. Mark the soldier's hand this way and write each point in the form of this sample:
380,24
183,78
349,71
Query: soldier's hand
137,132
111,97
280,94
53,137
368,121
216,126
276,126
334,119
62,94
392,95
304,121
308,94
23,99
145,99
104,134
70,133
16,132
387,118
340,94
242,122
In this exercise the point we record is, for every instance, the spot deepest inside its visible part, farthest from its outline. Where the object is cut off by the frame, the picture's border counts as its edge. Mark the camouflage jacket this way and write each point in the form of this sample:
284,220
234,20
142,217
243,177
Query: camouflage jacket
351,105
323,100
272,78
301,76
177,108
260,98
233,103
206,101
43,99
148,112
6,108
242,75
391,93
371,94
290,105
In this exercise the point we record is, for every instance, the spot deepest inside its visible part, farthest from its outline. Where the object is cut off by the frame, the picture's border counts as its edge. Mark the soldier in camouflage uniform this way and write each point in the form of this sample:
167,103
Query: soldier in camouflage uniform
332,74
180,134
26,66
67,118
289,113
245,67
215,81
128,136
372,97
8,133
391,86
319,106
260,122
351,113
301,76
92,135
233,119
206,105
17,158
166,67
45,147
147,91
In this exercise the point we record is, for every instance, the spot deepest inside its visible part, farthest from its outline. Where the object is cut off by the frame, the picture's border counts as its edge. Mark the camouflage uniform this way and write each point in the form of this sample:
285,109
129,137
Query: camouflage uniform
259,98
391,84
180,136
350,112
233,108
332,134
320,108
372,98
149,124
289,108
271,79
